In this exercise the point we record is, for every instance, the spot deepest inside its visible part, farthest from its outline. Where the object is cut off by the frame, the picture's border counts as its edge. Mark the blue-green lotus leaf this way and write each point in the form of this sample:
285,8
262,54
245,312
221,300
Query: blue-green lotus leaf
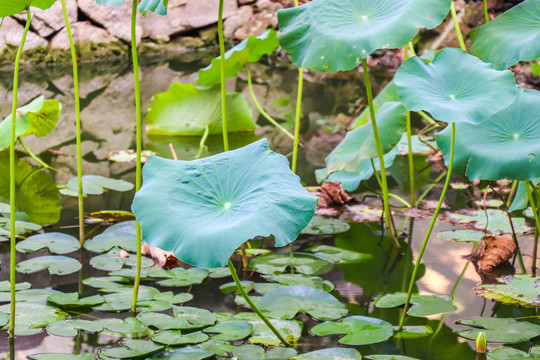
521,199
359,330
359,144
242,193
254,352
110,2
156,6
55,264
248,51
499,330
511,37
331,354
57,243
133,349
187,110
334,35
12,7
422,305
505,146
518,289
454,87
508,353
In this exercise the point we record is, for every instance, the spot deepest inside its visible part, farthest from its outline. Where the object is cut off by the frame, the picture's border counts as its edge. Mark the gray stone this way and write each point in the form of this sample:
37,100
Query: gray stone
245,2
265,16
237,20
47,22
12,32
83,33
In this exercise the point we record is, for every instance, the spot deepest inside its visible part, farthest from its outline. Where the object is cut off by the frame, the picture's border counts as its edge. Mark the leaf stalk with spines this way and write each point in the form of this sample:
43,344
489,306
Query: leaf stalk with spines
12,183
384,184
223,85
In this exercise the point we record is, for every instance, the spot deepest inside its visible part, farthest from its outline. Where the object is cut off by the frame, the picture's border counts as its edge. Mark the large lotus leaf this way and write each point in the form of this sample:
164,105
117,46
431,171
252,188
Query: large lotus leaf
242,193
307,264
508,353
291,280
359,144
290,329
511,37
95,185
504,146
422,305
55,264
71,328
286,302
12,7
156,6
331,354
254,352
517,289
187,110
58,356
499,330
36,192
133,349
248,51
30,318
230,331
359,330
57,243
454,87
334,35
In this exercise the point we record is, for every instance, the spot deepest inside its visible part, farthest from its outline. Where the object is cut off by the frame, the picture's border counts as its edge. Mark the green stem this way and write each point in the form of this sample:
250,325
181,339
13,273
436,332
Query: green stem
261,110
376,173
77,122
411,159
397,197
457,28
13,253
537,223
428,118
411,48
297,119
203,140
223,88
430,229
486,14
253,306
138,171
384,184
428,189
35,157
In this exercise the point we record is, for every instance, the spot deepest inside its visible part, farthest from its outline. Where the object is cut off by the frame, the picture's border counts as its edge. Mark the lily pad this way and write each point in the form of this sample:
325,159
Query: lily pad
232,288
290,329
284,303
162,321
321,225
193,317
129,156
498,221
71,300
105,282
71,328
180,276
6,286
275,263
57,356
107,241
95,185
422,305
338,255
108,217
186,353
297,279
359,144
234,191
249,50
30,295
175,337
126,326
230,331
461,235
508,353
331,354
30,318
390,357
359,330
57,243
503,146
112,261
455,87
509,38
254,352
499,330
518,289
200,108
338,34
56,265
132,349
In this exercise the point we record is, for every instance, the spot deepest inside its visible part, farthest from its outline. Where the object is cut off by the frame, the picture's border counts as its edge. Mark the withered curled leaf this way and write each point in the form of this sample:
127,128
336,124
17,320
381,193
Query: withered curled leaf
491,252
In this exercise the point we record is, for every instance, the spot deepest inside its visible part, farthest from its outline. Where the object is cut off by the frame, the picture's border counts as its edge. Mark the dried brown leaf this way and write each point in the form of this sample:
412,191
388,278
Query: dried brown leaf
492,252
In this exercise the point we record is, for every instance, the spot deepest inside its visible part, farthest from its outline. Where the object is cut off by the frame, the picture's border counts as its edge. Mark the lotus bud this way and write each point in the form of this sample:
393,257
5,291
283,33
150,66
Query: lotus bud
481,343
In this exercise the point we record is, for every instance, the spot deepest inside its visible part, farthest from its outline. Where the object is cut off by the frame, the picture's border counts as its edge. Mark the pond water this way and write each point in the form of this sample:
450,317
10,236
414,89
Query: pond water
329,102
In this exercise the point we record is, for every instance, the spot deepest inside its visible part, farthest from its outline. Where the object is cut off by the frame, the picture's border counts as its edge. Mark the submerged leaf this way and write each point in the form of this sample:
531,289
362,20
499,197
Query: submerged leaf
321,225
499,330
359,330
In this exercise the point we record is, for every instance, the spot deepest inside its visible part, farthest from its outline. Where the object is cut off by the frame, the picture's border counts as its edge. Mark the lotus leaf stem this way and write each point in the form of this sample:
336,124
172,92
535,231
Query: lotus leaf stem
537,223
253,306
384,184
430,229
375,172
297,119
35,157
173,152
486,14
513,190
456,27
428,118
410,155
203,141
430,187
397,197
75,71
223,85
138,167
261,110
411,48
12,184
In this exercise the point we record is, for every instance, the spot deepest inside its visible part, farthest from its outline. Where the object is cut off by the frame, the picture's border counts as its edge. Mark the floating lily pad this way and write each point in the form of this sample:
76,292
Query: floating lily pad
279,262
180,276
221,348
193,317
231,287
171,298
162,321
284,303
6,286
510,37
455,87
321,225
158,7
132,349
461,235
339,256
390,357
112,261
493,203
338,34
108,217
412,332
248,51
499,330
71,328
422,305
126,326
175,337
105,282
106,241
230,331
359,330
518,289
95,185
56,265
363,213
498,221
200,108
359,144
31,295
30,318
290,329
220,190
57,243
503,146
57,356
129,156
186,353
71,300
508,353
298,279
254,352
331,354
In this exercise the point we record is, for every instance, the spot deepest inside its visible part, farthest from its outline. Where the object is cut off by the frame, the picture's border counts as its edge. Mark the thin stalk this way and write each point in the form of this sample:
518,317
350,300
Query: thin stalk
537,224
409,142
138,171
203,141
513,190
35,157
223,88
77,122
457,28
13,253
384,184
430,229
297,119
261,110
411,48
426,117
253,306
397,197
428,189
375,172
486,14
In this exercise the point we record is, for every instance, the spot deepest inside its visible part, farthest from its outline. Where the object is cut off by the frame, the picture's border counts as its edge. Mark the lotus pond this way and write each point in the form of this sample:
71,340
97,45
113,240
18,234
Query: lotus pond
255,245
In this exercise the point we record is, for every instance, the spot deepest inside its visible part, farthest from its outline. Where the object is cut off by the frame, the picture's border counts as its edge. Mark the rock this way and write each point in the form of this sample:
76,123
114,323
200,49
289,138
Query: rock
12,32
83,33
237,20
245,2
47,22
185,15
265,16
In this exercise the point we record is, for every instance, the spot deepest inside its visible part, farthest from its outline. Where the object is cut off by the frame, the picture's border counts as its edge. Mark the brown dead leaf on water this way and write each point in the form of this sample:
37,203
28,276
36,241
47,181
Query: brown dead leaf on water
330,194
162,259
491,252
